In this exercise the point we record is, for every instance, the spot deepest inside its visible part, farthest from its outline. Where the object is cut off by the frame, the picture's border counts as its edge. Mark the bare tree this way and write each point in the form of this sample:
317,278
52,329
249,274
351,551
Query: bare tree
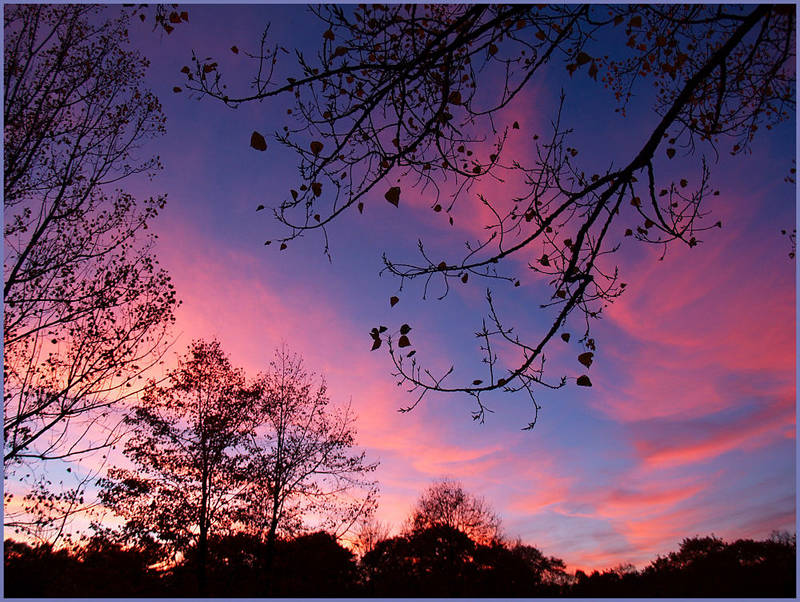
186,483
445,503
86,306
302,457
405,96
369,532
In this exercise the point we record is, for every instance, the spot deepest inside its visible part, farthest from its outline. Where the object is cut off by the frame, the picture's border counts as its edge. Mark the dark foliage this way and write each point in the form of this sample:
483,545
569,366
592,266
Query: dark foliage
438,561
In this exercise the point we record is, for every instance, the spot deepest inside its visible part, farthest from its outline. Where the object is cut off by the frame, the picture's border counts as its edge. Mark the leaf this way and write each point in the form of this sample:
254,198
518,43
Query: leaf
515,125
185,69
404,342
361,207
316,188
464,277
176,89
328,35
412,352
565,337
382,329
259,208
257,142
437,208
442,266
582,58
405,329
455,97
492,49
477,382
375,344
628,232
501,382
174,17
583,381
393,301
684,183
317,217
544,261
294,194
316,147
234,50
393,195
283,246
670,152
586,359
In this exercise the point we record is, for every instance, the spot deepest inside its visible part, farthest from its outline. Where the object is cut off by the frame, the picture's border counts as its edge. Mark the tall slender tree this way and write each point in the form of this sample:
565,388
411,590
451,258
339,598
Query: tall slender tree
186,482
302,458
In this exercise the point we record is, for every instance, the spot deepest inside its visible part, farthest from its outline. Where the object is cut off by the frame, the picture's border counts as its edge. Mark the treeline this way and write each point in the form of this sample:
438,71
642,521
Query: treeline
434,562
450,546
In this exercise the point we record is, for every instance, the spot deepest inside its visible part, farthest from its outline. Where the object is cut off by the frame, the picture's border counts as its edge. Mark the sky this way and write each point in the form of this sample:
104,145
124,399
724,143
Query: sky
689,427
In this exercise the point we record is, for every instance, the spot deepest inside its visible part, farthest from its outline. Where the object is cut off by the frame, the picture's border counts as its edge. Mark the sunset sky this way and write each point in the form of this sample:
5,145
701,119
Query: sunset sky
689,427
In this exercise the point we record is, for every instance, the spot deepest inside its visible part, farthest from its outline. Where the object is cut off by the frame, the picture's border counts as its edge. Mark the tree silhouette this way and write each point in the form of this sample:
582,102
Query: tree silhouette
404,97
187,478
86,306
445,503
301,457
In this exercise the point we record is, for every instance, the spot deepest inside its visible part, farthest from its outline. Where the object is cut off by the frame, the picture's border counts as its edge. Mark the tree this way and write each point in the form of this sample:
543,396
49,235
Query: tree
445,503
403,97
86,306
302,460
187,477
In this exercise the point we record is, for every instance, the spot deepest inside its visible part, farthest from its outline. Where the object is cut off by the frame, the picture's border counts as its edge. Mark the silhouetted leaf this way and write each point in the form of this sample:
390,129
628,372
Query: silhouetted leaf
393,195
393,301
316,188
404,342
565,337
234,50
361,207
670,152
259,208
176,89
375,344
316,147
515,125
477,382
583,381
405,329
257,142
586,358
